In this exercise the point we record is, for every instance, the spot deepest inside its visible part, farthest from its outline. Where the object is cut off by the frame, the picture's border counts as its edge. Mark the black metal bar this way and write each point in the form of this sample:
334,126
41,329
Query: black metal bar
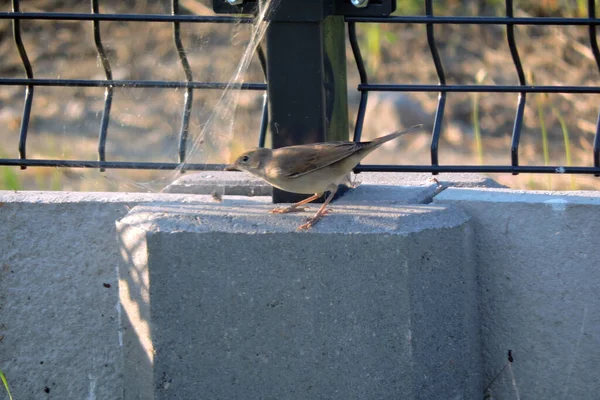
437,128
439,113
189,93
130,83
373,87
596,51
534,169
457,20
296,88
45,16
110,164
264,120
454,20
108,92
516,133
307,78
287,83
439,69
362,72
531,169
30,88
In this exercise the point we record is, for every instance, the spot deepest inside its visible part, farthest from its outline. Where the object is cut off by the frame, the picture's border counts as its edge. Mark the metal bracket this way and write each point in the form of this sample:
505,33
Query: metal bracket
224,7
375,8
305,10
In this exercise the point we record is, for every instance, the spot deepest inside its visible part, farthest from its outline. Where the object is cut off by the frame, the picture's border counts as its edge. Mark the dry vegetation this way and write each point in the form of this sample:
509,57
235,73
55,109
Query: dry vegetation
144,123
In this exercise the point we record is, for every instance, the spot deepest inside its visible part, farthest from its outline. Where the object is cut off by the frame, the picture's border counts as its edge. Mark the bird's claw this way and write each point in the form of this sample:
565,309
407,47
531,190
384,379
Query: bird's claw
306,226
311,222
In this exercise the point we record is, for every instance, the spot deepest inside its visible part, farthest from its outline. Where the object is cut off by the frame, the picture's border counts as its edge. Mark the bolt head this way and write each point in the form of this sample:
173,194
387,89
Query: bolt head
360,3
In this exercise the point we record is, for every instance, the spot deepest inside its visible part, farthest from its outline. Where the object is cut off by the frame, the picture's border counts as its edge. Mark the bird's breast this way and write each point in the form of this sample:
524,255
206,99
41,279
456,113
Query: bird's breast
317,181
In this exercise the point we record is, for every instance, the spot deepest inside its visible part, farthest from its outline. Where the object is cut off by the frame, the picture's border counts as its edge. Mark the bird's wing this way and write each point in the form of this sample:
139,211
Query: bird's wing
300,160
303,159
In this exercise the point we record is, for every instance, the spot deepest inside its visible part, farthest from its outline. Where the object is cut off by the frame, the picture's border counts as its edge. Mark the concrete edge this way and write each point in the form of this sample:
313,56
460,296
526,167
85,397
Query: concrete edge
252,217
49,197
492,195
241,183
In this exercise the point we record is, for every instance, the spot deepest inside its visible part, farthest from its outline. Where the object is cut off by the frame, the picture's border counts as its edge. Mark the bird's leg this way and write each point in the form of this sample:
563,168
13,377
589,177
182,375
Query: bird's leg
296,207
321,213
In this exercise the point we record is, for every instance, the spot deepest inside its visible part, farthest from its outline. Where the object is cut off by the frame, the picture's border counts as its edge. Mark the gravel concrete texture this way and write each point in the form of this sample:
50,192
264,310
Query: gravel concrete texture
416,188
539,285
222,182
227,301
59,318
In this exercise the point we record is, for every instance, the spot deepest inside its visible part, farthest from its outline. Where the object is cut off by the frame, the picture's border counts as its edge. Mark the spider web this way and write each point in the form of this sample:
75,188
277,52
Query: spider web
144,123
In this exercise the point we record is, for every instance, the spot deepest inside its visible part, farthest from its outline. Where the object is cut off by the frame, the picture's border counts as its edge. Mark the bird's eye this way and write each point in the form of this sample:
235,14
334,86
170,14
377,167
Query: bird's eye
245,159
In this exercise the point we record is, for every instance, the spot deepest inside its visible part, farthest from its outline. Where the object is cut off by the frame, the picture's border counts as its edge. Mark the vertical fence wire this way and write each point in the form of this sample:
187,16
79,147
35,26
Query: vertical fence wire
362,73
108,91
28,90
439,113
264,120
514,52
189,92
594,45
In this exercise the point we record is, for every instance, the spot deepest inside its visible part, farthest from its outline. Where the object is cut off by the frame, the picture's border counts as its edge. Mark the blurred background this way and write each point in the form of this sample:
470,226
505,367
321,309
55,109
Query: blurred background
144,126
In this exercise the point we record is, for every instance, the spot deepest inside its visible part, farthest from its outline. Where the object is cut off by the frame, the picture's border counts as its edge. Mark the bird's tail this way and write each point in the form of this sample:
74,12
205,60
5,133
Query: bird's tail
381,140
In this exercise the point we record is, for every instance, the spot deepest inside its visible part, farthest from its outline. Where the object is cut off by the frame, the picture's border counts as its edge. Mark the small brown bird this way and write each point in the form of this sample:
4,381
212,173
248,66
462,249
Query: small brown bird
309,168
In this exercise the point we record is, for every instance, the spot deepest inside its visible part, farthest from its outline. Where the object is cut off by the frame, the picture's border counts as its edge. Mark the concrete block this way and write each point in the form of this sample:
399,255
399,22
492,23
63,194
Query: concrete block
539,278
425,179
226,301
416,188
59,315
224,183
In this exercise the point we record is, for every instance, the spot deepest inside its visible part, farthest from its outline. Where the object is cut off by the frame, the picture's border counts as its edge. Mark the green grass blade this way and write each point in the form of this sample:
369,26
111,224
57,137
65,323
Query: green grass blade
541,117
479,78
540,101
9,180
5,382
567,141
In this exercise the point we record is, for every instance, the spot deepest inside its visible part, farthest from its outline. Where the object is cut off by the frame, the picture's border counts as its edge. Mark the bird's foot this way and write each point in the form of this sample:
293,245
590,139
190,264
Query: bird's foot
287,210
311,222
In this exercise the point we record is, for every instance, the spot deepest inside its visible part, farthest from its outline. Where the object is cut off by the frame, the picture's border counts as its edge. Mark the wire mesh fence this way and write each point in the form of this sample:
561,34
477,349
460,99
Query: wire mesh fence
30,82
508,22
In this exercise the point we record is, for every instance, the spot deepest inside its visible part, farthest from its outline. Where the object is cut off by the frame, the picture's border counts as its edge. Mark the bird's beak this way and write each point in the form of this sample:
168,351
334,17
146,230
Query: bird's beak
231,167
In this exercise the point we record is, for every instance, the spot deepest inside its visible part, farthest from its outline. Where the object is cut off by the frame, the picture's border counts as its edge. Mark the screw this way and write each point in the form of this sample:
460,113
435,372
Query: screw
360,3
235,2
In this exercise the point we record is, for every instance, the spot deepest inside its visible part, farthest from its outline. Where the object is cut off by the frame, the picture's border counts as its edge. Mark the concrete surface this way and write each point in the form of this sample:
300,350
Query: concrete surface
417,188
230,302
537,270
224,183
59,327
539,286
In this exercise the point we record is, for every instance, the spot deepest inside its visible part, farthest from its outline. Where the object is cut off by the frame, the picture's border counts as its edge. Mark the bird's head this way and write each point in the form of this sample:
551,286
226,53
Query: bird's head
253,161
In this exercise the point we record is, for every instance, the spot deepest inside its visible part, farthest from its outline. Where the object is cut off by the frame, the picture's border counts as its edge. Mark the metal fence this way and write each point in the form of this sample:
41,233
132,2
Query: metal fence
375,12
30,82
